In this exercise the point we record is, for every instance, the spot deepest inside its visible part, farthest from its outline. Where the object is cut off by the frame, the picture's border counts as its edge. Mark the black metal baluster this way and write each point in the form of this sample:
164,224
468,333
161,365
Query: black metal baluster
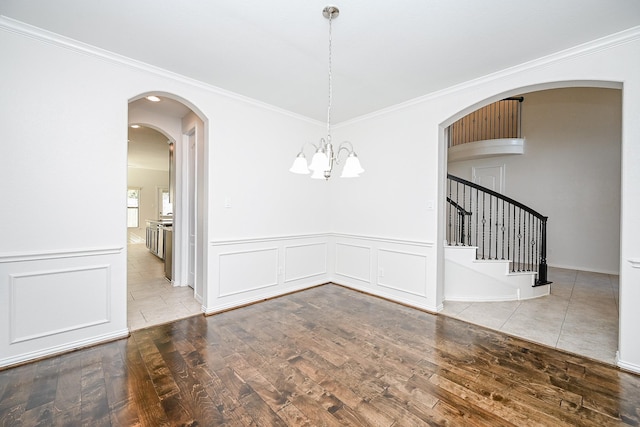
519,237
455,228
464,217
531,242
484,222
502,228
513,246
526,242
536,259
477,225
490,223
508,224
449,234
470,209
498,237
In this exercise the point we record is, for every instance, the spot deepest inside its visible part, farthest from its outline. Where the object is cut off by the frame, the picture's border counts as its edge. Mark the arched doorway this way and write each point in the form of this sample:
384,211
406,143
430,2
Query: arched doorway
182,230
575,121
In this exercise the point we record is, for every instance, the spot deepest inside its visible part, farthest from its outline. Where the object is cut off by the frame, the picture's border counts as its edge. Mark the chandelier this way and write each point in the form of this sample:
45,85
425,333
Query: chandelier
325,155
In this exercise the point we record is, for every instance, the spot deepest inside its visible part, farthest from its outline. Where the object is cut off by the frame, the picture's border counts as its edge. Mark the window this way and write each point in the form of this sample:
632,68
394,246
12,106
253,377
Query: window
133,207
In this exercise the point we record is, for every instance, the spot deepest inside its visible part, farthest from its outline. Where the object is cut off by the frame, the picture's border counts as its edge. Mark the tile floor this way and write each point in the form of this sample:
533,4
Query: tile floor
151,299
580,315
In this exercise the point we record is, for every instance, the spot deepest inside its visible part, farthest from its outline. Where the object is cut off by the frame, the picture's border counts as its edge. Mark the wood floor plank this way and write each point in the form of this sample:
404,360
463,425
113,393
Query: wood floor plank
142,392
119,395
327,381
258,383
324,356
43,389
41,415
68,391
193,398
158,371
231,410
94,405
292,416
312,408
16,386
252,404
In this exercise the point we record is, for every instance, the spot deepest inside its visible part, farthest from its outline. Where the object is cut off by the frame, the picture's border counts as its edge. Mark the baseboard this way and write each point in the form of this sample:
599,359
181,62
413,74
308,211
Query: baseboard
631,367
257,299
10,362
432,309
589,270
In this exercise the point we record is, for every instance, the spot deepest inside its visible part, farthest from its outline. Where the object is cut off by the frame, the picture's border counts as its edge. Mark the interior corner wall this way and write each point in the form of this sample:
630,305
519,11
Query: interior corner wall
570,172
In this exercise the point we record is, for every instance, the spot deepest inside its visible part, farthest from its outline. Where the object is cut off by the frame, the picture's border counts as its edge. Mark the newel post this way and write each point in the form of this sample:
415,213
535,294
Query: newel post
542,267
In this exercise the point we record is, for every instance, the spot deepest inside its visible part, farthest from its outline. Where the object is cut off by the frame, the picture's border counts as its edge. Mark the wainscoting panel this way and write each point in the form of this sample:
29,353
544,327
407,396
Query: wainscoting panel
31,295
399,270
249,270
305,261
403,271
353,261
56,301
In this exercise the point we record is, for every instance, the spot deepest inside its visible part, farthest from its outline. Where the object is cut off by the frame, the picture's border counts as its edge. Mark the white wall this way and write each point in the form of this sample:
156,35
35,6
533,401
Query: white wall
570,172
277,222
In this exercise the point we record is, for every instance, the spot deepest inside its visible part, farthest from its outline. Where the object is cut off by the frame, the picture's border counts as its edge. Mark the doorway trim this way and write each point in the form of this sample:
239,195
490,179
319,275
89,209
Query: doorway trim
443,167
192,119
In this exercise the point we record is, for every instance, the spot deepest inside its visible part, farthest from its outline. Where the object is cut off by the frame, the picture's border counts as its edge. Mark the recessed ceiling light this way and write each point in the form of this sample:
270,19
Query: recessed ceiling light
135,126
153,98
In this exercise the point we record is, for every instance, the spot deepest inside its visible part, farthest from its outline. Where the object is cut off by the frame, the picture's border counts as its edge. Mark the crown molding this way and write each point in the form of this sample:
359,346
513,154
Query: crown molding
26,30
588,48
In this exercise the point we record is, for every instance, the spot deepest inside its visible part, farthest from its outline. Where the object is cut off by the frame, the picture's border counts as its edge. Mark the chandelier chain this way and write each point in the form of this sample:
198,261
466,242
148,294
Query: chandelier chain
330,81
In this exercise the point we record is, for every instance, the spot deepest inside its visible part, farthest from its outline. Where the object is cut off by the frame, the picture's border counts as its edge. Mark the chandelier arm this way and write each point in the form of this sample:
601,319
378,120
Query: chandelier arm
337,159
342,145
315,147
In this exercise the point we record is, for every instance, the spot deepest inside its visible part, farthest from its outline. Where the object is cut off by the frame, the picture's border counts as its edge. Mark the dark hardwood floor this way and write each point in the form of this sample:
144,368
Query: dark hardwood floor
327,356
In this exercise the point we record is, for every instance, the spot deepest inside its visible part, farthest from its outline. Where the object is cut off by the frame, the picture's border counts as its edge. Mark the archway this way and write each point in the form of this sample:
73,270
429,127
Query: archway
183,125
597,97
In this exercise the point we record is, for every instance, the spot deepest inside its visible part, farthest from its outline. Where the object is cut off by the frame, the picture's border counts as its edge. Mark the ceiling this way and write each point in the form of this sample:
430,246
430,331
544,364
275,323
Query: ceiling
276,51
148,149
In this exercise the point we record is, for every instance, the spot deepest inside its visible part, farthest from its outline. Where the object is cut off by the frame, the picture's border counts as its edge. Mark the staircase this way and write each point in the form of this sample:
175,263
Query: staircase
496,246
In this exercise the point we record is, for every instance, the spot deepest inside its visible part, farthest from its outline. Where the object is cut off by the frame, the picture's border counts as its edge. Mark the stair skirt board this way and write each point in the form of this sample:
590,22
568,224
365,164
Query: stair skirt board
468,279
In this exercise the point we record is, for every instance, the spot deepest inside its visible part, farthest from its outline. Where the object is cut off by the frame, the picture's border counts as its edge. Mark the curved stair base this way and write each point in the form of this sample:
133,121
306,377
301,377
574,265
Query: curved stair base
468,279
